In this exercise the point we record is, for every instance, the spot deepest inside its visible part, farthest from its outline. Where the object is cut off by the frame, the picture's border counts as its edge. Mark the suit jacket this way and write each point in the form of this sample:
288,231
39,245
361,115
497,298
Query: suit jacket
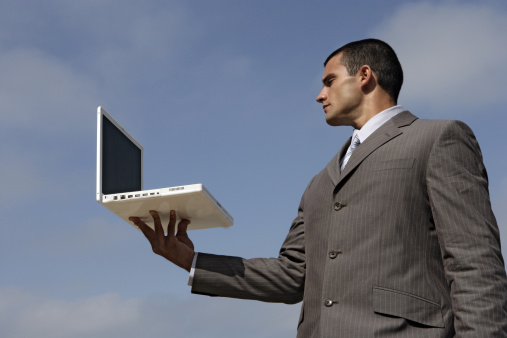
403,243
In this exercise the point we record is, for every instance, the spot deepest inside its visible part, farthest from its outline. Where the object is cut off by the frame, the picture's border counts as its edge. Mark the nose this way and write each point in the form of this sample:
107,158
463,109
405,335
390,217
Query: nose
322,96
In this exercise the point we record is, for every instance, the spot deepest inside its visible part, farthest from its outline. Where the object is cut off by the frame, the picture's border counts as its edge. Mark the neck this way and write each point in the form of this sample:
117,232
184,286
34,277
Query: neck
371,108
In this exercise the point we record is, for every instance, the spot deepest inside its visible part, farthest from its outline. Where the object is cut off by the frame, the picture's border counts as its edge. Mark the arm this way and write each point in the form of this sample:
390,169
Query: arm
468,234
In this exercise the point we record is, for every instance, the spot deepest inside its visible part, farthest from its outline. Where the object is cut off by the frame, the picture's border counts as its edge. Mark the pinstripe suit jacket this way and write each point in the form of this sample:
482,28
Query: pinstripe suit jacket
403,243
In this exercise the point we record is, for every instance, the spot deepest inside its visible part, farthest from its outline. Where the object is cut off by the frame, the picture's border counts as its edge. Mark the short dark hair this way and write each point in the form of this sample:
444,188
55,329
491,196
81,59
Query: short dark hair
379,56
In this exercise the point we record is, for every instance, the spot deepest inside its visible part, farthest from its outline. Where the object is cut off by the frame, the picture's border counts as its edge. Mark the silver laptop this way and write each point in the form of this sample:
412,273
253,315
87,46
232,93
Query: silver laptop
120,184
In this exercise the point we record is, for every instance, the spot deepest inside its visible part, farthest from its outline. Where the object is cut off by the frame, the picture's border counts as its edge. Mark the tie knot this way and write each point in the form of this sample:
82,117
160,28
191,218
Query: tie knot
355,142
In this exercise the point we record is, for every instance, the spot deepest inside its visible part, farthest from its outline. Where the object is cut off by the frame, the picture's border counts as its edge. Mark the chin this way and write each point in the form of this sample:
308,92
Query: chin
338,122
333,122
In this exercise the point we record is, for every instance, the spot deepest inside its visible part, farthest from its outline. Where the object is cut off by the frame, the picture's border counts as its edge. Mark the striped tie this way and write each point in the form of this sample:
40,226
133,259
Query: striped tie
352,147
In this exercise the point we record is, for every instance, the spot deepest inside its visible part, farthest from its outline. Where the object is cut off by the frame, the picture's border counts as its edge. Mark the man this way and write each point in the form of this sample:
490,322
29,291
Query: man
394,238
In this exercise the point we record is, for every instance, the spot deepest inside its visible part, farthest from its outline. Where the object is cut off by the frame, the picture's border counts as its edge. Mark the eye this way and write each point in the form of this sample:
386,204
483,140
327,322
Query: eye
328,82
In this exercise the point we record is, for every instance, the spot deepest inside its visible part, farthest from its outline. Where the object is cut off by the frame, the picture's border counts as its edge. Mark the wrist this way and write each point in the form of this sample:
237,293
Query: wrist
189,259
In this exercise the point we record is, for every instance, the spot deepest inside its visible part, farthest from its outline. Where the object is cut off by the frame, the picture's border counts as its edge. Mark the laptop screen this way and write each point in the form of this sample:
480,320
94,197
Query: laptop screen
121,161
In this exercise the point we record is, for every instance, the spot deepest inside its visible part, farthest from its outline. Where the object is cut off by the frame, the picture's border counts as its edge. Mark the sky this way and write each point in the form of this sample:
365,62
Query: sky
220,93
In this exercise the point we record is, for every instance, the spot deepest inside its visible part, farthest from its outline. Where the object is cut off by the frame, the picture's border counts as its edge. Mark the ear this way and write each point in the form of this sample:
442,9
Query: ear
365,75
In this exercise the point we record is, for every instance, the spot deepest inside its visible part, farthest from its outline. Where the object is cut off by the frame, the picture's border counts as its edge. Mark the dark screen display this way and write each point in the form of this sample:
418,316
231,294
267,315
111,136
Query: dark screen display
121,161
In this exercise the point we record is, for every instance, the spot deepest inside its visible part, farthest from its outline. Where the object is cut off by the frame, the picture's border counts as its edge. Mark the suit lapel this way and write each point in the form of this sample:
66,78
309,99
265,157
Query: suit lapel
382,135
333,167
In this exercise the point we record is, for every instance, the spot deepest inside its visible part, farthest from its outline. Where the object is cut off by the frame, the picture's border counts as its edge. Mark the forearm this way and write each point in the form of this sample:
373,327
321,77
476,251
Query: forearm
263,279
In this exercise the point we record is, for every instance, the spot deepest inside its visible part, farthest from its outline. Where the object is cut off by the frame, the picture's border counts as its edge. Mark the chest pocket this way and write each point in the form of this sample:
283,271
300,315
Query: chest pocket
401,163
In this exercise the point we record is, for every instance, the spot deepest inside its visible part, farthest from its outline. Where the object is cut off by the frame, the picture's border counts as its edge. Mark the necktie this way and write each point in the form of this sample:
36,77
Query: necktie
352,147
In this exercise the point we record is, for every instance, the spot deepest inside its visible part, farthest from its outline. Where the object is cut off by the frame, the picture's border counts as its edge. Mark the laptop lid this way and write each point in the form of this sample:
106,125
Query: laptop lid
119,158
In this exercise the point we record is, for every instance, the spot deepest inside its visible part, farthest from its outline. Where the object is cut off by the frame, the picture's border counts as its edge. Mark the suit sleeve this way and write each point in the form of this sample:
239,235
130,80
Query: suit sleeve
266,279
468,233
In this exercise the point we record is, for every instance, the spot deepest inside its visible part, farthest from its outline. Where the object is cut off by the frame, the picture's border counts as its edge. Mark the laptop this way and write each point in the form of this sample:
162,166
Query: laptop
120,184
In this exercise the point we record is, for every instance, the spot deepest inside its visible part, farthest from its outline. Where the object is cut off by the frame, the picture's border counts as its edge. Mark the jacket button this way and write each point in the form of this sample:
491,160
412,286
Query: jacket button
328,302
333,254
338,206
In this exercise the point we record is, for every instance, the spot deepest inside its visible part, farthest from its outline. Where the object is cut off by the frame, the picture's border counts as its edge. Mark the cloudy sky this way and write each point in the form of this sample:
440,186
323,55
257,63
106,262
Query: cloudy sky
220,93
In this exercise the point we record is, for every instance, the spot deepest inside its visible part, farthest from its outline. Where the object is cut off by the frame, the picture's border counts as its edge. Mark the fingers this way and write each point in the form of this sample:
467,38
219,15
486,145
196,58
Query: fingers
172,223
159,230
145,229
157,223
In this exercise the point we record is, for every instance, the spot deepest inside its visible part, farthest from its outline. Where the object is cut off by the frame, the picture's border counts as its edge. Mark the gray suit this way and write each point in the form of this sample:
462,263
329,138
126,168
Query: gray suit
403,243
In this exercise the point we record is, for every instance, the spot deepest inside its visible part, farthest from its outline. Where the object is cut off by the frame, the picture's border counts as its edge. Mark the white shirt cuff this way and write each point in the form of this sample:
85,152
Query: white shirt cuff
192,270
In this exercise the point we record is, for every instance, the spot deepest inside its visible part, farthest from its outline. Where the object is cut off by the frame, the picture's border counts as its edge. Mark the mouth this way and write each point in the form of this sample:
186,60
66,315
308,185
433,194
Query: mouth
324,107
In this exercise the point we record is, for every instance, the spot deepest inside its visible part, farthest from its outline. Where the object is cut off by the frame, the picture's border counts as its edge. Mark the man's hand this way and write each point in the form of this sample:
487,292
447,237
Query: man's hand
178,248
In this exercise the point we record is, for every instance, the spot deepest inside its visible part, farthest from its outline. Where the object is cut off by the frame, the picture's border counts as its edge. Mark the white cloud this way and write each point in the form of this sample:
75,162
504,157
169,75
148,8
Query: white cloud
93,235
27,315
42,93
24,314
86,59
453,55
40,161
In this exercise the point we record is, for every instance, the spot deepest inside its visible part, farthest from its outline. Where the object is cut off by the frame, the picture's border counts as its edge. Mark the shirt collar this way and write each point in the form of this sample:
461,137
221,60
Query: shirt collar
376,121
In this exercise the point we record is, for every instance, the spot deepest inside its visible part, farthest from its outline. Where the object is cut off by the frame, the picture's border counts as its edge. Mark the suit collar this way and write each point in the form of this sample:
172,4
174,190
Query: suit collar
379,137
404,119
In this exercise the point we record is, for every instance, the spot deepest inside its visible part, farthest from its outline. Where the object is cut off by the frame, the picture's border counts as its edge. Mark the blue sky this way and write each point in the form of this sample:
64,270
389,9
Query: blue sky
220,93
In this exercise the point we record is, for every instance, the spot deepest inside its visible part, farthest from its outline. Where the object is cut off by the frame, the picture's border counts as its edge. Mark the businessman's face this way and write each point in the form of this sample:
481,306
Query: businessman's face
341,95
